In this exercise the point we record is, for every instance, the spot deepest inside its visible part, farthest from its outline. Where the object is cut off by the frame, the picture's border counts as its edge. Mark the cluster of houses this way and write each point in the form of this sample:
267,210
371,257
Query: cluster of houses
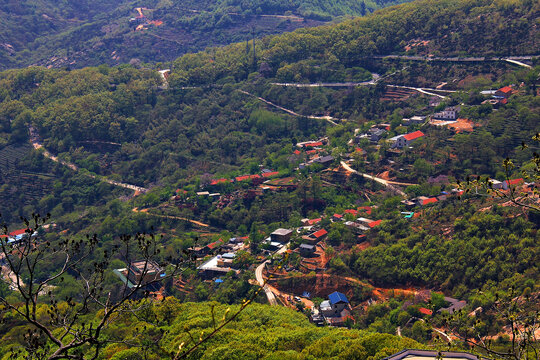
500,96
221,264
378,132
313,150
317,234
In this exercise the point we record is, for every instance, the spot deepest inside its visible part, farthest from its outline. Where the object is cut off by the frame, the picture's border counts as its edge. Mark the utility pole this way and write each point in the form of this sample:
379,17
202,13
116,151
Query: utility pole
254,52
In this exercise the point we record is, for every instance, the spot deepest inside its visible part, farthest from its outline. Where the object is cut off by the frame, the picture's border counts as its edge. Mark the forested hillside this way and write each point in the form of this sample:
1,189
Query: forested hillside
88,33
261,332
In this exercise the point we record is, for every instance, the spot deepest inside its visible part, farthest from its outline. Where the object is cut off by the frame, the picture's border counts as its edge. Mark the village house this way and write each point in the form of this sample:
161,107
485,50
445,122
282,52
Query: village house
374,223
324,160
310,222
336,309
374,135
507,184
17,236
316,236
307,250
495,184
144,272
402,141
415,120
217,266
281,235
355,227
504,92
448,114
363,221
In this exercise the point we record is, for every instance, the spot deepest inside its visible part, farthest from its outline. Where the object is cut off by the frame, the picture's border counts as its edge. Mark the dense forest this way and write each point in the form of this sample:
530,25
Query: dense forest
89,33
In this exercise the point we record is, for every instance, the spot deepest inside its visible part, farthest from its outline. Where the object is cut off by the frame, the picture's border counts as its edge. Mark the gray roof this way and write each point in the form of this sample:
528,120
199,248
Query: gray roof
307,246
282,232
324,159
412,354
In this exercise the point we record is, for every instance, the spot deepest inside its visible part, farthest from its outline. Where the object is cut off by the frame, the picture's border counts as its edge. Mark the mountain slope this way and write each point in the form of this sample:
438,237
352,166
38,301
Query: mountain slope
81,33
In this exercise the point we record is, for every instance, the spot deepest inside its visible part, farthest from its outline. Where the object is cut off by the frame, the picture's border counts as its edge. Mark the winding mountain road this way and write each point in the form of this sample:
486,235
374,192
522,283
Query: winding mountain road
330,119
260,279
36,143
420,90
334,84
516,60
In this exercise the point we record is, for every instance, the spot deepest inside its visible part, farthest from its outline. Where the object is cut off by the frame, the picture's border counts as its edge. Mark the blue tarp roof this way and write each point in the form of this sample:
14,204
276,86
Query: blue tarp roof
337,297
219,281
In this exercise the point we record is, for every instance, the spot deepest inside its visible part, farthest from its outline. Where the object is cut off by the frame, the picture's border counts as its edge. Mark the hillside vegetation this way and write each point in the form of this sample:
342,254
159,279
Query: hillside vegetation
260,332
239,112
85,33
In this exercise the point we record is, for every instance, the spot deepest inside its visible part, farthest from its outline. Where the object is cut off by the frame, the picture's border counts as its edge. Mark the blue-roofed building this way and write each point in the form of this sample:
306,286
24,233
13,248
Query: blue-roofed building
336,309
337,298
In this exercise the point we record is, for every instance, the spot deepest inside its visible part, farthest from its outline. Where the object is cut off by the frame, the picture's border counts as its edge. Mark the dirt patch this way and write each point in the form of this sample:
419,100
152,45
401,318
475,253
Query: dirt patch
463,125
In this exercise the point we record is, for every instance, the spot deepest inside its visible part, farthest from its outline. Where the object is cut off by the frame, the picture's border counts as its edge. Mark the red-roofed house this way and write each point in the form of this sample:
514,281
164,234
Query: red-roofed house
270,174
401,141
313,144
242,178
247,177
429,201
296,152
214,245
310,222
375,223
17,232
351,211
425,311
218,181
505,92
512,182
337,217
316,236
413,136
366,208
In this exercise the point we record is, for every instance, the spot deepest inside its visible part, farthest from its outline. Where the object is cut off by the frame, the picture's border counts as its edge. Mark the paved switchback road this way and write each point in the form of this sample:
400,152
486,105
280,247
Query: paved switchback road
516,60
260,279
